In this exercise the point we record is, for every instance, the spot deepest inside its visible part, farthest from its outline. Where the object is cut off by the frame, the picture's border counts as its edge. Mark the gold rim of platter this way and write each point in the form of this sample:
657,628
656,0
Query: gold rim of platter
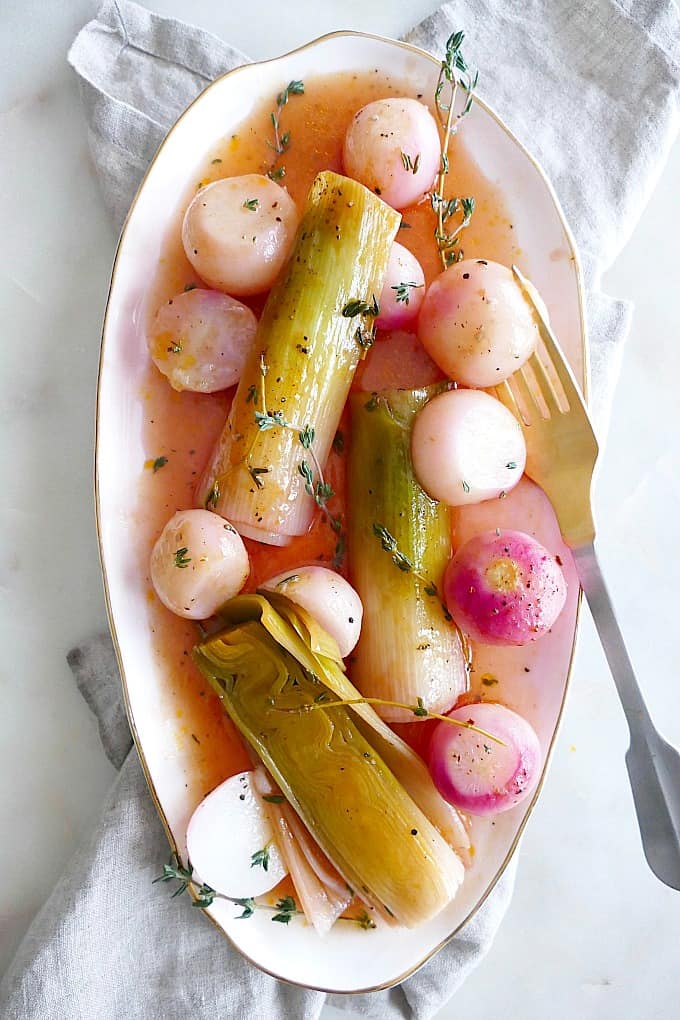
585,384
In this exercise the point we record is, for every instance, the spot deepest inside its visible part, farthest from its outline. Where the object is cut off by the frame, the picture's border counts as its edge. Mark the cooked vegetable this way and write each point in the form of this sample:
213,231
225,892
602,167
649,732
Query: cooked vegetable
268,462
483,776
467,447
321,904
197,563
399,545
231,842
327,596
200,340
333,776
238,232
476,323
403,290
392,146
504,588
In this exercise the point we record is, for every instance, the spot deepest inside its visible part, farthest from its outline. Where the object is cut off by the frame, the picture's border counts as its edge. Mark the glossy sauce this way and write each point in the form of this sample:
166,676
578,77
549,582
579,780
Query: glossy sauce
184,426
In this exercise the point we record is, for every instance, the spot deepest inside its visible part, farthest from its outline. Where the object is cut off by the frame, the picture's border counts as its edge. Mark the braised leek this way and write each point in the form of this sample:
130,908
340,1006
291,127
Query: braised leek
273,684
264,474
399,545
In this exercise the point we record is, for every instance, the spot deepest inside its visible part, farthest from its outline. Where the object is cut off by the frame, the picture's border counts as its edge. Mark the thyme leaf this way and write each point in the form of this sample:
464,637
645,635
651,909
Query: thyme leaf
159,463
260,859
181,559
403,290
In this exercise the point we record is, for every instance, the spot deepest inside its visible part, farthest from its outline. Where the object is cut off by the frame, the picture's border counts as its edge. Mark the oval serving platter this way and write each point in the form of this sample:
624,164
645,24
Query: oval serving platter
535,678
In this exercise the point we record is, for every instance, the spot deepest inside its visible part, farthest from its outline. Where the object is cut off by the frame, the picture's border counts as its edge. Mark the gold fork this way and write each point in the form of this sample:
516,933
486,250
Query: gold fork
561,455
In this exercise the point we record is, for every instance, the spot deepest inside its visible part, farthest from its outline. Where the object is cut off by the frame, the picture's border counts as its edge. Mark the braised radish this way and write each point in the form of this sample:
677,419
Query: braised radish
199,340
198,562
326,596
403,290
504,588
480,774
238,232
476,323
392,146
467,447
231,842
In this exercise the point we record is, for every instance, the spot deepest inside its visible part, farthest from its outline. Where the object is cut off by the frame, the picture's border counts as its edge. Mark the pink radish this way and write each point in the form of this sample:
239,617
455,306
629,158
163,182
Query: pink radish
504,588
478,774
476,323
403,290
392,147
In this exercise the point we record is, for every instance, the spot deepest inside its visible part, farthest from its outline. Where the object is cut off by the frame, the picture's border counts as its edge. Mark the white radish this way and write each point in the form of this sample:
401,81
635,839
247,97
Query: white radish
198,562
476,323
392,147
467,447
326,596
403,290
231,842
477,773
200,339
238,232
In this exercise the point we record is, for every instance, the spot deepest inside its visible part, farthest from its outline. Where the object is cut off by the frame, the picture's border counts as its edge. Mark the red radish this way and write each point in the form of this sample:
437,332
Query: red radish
403,290
478,774
504,588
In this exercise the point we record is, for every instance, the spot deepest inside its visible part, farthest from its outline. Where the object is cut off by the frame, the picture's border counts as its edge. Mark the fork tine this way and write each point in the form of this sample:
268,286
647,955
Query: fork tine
527,396
557,358
507,397
546,385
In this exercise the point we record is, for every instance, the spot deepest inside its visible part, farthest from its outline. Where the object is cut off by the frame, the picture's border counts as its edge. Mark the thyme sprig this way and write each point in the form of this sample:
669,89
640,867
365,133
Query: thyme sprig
181,559
364,335
403,290
418,710
281,141
282,912
405,564
454,74
260,859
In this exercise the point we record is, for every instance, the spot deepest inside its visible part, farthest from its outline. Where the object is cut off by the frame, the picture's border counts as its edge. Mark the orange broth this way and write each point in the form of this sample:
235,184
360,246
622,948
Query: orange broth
184,426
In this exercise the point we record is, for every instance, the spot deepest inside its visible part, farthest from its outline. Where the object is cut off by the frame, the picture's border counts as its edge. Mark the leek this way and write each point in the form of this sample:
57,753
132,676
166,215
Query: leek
290,397
399,545
325,763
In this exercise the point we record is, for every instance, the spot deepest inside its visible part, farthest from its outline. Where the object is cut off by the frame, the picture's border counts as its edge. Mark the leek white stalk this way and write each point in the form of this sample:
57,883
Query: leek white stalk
399,546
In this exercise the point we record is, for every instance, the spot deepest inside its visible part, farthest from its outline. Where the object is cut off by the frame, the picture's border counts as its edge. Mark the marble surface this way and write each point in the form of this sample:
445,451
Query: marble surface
591,933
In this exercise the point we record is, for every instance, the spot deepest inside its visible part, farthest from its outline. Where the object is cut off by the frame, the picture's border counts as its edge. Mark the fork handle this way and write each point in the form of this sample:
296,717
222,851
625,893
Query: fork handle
602,610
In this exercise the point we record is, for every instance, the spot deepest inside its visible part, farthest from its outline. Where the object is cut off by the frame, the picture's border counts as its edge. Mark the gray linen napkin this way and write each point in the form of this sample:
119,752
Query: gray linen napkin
593,90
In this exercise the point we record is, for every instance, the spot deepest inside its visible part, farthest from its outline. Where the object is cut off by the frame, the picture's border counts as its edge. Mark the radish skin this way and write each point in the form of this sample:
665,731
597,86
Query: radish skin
504,588
403,290
478,774
392,147
476,323
467,447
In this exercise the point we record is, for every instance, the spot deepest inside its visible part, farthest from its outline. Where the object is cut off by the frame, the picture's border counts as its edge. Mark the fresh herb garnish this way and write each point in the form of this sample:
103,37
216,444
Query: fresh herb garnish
175,347
364,920
181,558
159,463
255,473
213,496
286,908
466,487
252,395
205,894
281,142
252,204
189,286
405,564
356,307
404,291
260,859
511,465
306,436
267,421
418,710
273,798
454,73
410,164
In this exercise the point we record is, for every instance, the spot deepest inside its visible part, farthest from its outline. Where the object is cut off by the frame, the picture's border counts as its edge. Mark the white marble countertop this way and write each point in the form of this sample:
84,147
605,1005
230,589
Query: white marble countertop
591,933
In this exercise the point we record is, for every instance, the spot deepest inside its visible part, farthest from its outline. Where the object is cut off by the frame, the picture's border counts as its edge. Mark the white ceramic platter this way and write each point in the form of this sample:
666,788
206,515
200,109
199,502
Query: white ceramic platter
534,679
